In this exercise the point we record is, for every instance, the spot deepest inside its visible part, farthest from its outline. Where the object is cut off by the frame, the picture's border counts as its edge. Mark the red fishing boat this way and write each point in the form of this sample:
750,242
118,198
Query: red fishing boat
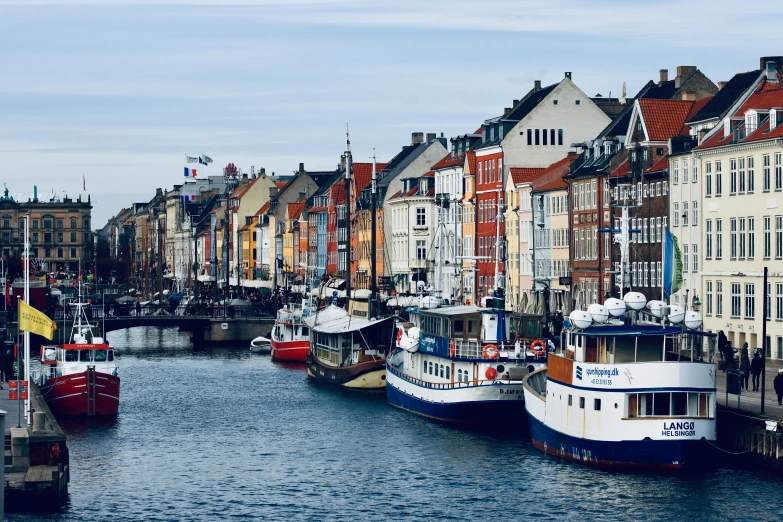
290,337
80,377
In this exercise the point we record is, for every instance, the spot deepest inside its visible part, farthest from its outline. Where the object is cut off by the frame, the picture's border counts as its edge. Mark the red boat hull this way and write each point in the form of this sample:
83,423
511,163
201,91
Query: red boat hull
68,395
294,351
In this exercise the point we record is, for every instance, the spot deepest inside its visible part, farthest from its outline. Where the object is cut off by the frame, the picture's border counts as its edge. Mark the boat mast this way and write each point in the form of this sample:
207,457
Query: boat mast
497,243
440,198
348,169
371,312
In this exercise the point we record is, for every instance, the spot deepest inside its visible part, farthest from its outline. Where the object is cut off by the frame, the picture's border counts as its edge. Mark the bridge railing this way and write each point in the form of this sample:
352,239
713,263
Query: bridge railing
98,311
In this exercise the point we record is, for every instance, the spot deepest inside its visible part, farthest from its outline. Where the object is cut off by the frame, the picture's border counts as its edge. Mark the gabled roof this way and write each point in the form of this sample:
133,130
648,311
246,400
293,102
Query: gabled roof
528,103
524,175
362,174
470,159
264,208
726,97
449,160
664,118
659,166
623,169
295,210
280,184
551,177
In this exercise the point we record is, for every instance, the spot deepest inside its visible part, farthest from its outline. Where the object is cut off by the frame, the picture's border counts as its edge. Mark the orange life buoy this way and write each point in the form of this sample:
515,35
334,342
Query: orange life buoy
399,336
468,302
538,347
491,352
452,349
491,373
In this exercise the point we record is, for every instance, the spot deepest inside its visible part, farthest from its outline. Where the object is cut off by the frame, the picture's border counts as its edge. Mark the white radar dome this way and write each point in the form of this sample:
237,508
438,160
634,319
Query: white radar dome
635,300
692,320
580,319
598,312
655,307
676,314
615,306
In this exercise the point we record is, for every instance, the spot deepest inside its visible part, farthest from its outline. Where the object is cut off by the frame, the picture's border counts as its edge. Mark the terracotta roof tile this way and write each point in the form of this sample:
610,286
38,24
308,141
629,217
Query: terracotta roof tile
264,208
552,176
471,159
449,160
362,174
622,170
524,175
431,192
280,184
664,118
429,174
660,165
318,209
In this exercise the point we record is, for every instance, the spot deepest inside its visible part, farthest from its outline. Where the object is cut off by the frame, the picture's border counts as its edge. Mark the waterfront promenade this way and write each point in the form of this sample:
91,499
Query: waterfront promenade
750,401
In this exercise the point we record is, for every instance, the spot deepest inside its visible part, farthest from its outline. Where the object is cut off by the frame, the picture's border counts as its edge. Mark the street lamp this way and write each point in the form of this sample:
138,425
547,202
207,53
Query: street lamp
696,303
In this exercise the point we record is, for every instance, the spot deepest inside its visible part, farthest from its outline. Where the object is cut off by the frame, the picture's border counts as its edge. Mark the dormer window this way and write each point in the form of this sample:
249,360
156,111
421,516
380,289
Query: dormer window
751,121
492,133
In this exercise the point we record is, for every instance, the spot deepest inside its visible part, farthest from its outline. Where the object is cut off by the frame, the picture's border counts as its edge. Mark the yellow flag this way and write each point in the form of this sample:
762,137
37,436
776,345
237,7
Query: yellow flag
33,321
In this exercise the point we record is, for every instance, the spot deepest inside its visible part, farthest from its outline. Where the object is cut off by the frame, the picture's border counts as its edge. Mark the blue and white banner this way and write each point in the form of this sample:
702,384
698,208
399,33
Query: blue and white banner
204,159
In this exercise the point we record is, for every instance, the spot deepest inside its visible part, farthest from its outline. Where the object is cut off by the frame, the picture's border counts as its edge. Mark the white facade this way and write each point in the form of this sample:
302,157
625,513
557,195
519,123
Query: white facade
449,181
685,211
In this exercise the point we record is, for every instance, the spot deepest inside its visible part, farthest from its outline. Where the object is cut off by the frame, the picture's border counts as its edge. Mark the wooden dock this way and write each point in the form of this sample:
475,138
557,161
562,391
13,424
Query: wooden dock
745,434
36,461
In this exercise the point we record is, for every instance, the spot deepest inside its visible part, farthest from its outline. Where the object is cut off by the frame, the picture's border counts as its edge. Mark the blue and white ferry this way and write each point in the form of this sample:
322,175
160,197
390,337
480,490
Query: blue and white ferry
636,391
464,364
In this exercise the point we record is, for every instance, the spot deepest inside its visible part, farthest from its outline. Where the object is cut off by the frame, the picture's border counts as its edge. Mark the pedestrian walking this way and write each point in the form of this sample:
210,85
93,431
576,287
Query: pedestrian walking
778,384
728,357
756,367
722,343
744,369
138,309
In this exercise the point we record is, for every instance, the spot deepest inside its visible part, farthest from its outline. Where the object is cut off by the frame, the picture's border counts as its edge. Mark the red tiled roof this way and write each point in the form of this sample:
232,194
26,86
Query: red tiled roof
623,170
362,175
524,175
396,194
317,209
449,160
295,210
551,177
429,174
248,226
412,192
660,165
431,192
338,192
280,184
264,208
664,118
471,159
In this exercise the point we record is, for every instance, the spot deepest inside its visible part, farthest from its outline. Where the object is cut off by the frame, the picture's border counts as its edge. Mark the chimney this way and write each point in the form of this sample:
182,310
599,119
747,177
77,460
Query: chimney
683,72
506,110
721,85
777,59
262,171
664,76
417,137
536,85
273,192
431,137
689,95
568,74
158,192
244,178
441,134
771,71
702,133
515,102
301,167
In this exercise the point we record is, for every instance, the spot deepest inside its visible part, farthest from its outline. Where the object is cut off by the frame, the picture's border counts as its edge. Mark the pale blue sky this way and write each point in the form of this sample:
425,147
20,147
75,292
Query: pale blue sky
121,91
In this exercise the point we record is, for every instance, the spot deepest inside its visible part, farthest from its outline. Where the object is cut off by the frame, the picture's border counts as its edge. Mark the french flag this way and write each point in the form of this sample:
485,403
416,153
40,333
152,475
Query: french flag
190,173
188,199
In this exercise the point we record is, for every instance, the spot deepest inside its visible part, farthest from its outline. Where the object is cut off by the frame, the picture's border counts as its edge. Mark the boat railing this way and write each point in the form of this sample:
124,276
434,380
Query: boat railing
475,350
467,349
450,385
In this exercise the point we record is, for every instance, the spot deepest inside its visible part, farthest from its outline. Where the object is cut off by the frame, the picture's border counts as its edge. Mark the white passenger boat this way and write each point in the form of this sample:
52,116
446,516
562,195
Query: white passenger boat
465,364
633,392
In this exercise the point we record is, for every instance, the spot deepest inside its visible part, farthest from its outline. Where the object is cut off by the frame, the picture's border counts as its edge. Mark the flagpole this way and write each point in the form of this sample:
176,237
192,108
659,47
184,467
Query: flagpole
27,301
18,373
663,264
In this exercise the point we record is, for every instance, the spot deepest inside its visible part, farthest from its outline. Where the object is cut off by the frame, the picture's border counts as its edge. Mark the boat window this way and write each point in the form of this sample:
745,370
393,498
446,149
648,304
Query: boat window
110,355
570,400
84,355
679,403
597,404
441,371
661,406
699,404
448,372
582,402
99,355
472,327
305,331
459,375
71,356
459,326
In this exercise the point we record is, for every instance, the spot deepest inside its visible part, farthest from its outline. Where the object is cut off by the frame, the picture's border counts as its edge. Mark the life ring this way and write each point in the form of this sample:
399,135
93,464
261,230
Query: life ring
468,302
491,373
490,352
452,349
538,347
399,336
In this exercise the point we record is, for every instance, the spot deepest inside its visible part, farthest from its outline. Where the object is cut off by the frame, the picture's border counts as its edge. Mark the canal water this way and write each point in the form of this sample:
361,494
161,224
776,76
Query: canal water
223,434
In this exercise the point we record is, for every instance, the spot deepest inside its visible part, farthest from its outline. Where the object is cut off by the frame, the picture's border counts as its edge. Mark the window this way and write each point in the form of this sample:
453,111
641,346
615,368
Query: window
538,137
35,223
750,300
597,404
676,215
530,136
779,301
742,249
708,179
767,237
570,400
695,213
658,230
751,237
741,163
47,223
708,304
718,178
778,171
73,223
766,173
675,172
736,300
660,273
595,194
695,170
695,254
751,175
718,298
708,238
684,170
59,252
73,252
718,238
685,213
59,237
560,132
544,136
421,250
778,237
421,217
582,402
685,259
733,176
59,223
733,240
606,193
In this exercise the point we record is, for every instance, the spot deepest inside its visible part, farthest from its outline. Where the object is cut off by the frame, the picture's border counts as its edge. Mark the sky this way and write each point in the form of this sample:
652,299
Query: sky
112,95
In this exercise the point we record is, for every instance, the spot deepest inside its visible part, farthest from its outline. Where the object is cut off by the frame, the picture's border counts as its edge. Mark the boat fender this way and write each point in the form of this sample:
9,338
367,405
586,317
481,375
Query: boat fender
452,349
538,347
491,373
490,352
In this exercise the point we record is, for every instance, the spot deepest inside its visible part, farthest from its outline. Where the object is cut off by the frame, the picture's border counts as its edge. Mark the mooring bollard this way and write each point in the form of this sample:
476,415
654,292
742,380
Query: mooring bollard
39,422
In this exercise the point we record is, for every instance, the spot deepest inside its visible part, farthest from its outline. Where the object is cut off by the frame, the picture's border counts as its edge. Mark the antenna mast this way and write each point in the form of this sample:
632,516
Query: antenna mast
348,171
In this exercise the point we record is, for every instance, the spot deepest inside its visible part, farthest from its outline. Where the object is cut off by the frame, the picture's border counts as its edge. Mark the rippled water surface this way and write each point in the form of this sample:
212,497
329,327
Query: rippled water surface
222,434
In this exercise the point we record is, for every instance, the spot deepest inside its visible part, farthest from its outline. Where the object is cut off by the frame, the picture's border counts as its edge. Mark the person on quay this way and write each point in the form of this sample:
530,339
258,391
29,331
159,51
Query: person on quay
722,342
744,368
728,357
778,384
756,367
